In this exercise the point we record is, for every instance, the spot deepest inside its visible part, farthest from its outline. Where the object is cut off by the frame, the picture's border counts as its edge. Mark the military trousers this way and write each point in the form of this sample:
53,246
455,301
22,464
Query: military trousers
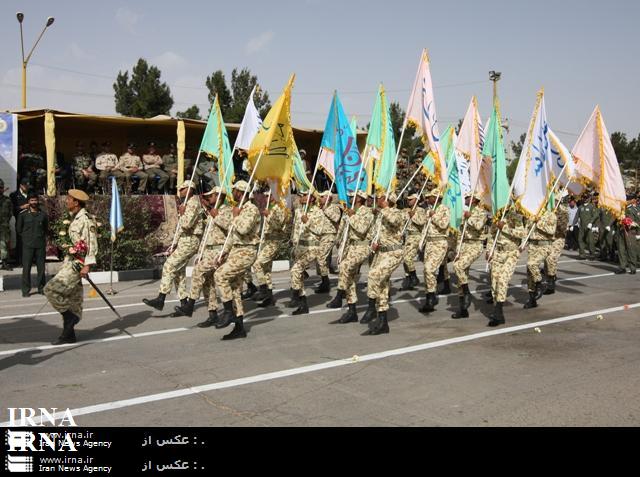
384,264
174,271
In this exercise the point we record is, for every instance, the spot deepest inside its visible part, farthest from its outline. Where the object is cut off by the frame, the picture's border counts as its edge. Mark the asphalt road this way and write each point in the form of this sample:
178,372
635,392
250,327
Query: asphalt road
573,361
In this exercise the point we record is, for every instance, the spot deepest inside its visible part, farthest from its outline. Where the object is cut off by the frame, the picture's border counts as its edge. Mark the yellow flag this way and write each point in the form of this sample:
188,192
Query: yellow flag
272,149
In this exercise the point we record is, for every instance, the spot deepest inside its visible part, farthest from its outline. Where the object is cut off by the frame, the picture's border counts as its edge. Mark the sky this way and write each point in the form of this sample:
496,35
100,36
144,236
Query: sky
582,52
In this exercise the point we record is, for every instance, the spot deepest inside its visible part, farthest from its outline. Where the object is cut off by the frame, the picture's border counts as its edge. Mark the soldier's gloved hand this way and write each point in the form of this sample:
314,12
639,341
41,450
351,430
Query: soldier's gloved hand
595,229
589,226
608,228
570,228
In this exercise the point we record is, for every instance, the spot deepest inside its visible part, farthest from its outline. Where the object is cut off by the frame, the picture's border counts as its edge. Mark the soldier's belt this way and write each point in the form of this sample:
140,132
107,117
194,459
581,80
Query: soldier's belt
272,237
359,242
390,248
541,242
506,248
214,247
435,239
308,243
413,233
245,245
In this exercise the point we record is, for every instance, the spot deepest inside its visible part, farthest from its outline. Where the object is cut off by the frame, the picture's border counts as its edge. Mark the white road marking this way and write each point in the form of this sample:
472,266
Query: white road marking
110,406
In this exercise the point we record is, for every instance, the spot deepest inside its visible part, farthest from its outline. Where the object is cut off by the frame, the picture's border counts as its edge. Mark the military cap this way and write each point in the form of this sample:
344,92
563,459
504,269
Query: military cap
151,144
302,152
413,197
131,146
78,194
362,194
24,181
631,196
432,193
214,190
242,186
186,184
325,193
474,196
392,198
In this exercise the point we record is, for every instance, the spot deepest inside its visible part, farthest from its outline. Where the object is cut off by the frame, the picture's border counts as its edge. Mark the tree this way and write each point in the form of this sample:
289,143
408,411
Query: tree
622,147
409,141
234,101
144,95
191,113
517,147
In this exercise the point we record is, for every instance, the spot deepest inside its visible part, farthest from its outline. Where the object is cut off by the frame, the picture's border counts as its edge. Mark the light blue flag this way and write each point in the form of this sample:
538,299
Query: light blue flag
453,194
115,215
347,160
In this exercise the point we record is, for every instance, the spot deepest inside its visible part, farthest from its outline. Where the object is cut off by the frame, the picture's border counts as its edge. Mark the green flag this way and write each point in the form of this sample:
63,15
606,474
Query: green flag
382,144
494,148
299,172
453,193
215,143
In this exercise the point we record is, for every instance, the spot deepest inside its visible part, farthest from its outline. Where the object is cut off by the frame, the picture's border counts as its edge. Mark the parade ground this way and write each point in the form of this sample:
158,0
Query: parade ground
573,361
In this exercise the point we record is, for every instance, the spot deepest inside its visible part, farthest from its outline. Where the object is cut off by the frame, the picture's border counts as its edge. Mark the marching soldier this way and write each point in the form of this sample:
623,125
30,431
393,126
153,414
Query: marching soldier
64,291
5,231
389,255
276,217
130,164
588,216
551,262
540,247
153,167
330,222
470,250
202,277
107,165
190,229
417,219
84,175
436,246
503,262
306,253
629,237
356,252
239,254
32,225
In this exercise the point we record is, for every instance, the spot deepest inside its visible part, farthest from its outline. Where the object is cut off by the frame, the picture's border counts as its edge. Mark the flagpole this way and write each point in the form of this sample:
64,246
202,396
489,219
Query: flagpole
426,227
111,291
409,181
464,227
244,195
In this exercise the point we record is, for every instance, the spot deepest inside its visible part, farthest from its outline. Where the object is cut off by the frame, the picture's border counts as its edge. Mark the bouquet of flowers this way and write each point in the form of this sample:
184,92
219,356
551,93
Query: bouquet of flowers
628,223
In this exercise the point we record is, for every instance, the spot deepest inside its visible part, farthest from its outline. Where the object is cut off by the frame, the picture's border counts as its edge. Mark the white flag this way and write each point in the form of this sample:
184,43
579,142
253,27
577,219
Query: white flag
535,174
462,164
597,164
250,125
470,142
422,114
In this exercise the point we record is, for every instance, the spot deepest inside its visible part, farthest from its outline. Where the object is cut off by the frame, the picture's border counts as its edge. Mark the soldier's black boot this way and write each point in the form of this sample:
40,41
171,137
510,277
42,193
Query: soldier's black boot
462,312
261,294
268,299
532,303
305,275
414,279
157,303
540,289
370,314
249,292
337,301
295,299
227,316
551,286
406,283
379,326
325,286
430,304
350,316
466,297
68,335
210,321
237,331
184,310
303,308
496,318
446,288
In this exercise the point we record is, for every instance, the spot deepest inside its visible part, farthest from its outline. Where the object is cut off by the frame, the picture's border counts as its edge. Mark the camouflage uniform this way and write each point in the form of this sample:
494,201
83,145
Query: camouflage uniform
153,167
472,246
202,276
190,230
6,211
388,257
588,215
356,251
36,169
64,291
82,162
412,238
540,247
274,225
551,262
308,247
107,160
505,256
126,164
330,224
436,246
242,249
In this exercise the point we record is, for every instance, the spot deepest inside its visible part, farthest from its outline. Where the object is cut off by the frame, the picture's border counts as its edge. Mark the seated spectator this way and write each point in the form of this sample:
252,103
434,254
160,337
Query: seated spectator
84,175
107,165
35,167
170,165
131,165
63,173
206,174
153,167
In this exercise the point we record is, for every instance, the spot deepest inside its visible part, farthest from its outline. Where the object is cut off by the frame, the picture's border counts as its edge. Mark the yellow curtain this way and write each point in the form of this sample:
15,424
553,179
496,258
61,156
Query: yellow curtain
50,145
181,145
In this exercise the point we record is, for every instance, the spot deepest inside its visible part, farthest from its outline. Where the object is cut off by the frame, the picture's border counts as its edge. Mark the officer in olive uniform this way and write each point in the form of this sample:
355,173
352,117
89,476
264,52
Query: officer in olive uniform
588,215
32,226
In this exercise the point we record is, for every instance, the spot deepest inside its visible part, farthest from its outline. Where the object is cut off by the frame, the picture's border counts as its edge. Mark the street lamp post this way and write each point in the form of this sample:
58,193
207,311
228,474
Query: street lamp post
25,61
